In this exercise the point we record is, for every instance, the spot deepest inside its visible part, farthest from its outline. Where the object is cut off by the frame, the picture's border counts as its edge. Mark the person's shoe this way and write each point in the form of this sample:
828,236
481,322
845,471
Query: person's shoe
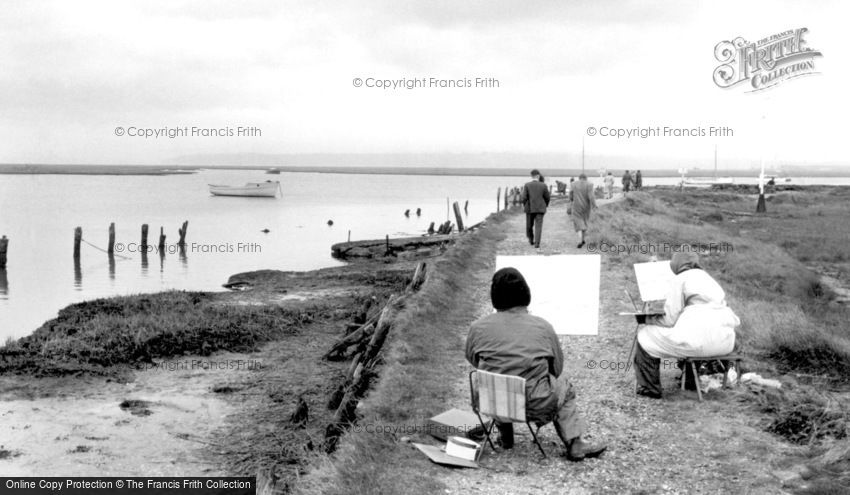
537,246
580,450
581,244
645,392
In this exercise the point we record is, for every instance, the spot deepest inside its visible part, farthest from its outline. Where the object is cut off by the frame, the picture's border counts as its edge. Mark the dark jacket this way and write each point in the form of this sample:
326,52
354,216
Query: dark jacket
535,197
514,342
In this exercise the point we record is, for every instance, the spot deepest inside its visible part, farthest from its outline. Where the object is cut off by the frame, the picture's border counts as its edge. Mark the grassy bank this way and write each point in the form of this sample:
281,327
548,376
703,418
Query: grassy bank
96,335
792,325
102,335
414,382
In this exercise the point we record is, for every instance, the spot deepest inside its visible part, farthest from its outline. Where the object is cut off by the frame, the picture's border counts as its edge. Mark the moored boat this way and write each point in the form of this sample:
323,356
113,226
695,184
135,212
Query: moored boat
267,189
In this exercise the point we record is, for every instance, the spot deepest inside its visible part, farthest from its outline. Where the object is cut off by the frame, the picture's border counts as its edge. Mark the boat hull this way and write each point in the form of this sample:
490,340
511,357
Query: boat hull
249,190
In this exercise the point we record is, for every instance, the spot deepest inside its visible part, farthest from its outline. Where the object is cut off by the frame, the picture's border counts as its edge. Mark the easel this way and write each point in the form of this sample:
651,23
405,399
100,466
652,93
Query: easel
637,314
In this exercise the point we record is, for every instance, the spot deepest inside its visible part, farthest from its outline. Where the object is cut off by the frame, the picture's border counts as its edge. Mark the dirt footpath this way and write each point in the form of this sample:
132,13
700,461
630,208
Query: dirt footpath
675,445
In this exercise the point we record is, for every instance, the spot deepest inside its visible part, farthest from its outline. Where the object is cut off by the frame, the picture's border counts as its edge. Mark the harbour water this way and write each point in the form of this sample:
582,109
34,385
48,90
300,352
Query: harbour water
38,213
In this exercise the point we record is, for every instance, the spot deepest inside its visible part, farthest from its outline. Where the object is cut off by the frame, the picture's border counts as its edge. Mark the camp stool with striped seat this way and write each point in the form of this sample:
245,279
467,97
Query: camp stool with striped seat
502,398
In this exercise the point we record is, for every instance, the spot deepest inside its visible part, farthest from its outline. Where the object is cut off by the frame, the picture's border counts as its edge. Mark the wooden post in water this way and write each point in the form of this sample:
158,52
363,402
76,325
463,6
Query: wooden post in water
499,198
431,229
182,231
110,247
506,197
4,245
78,236
161,245
349,236
466,207
144,237
458,216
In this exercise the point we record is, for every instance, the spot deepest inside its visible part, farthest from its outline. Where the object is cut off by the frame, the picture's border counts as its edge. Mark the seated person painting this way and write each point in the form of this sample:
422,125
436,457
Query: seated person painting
696,323
513,342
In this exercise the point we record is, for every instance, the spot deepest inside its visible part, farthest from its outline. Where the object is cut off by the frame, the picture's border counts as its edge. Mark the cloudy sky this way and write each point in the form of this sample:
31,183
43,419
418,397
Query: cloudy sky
72,72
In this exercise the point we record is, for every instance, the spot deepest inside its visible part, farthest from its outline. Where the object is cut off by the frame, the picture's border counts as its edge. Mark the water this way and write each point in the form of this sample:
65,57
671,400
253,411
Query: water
39,212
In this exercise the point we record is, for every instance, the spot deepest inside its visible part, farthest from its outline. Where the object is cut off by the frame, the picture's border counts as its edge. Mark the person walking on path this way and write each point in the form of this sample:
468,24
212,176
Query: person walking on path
627,182
582,201
535,198
609,186
638,181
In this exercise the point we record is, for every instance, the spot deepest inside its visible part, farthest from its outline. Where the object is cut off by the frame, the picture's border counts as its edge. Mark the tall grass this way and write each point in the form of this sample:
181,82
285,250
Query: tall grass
786,312
95,335
415,381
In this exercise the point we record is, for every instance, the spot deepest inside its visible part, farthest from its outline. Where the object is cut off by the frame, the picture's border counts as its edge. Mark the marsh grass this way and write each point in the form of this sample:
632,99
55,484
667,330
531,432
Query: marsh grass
415,383
789,321
787,314
95,335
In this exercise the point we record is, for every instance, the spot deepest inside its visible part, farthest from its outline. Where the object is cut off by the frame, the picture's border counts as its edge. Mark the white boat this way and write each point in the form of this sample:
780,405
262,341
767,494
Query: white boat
267,189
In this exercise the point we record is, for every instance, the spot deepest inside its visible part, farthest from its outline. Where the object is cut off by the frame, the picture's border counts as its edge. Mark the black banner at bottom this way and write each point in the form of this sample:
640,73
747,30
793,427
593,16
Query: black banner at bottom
128,486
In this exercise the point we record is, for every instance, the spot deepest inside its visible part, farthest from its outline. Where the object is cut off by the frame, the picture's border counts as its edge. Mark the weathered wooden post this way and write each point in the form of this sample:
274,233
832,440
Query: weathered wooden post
499,198
418,212
144,237
182,232
110,247
506,197
78,236
387,253
161,245
4,245
407,213
458,216
349,236
431,229
466,207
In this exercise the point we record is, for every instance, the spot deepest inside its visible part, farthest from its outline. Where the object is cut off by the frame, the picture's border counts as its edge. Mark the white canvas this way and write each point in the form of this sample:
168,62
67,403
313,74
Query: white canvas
564,289
653,279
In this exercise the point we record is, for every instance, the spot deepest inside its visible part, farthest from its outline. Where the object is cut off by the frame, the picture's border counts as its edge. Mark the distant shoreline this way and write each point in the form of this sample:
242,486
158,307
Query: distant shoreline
37,169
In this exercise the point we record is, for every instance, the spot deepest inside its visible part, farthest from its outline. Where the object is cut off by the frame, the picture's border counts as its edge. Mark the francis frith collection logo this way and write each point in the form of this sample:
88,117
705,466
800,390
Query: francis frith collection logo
765,63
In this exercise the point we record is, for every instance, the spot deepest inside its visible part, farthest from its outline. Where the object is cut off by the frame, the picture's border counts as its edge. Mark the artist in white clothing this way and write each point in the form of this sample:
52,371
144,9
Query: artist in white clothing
696,323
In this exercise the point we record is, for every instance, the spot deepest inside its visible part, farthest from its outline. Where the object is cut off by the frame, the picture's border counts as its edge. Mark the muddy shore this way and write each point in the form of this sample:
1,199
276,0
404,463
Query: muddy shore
213,400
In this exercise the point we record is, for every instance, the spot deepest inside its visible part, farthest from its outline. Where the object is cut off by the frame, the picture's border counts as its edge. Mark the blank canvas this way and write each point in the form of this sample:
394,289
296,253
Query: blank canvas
564,289
653,279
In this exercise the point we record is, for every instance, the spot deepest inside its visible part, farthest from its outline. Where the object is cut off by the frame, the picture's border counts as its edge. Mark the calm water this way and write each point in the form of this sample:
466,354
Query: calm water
39,212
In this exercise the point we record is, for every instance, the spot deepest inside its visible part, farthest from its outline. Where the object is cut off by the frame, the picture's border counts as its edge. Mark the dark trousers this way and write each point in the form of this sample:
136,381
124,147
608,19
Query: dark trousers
534,227
648,372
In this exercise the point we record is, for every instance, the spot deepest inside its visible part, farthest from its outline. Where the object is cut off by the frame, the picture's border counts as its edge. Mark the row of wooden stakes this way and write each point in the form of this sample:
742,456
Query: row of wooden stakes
366,336
143,245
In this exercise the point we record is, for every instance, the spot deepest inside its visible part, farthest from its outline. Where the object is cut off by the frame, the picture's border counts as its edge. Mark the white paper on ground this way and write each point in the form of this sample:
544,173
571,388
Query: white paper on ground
564,289
653,279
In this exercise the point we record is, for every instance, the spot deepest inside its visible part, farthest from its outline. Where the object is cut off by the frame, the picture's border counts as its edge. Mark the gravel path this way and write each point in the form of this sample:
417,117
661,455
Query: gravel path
674,445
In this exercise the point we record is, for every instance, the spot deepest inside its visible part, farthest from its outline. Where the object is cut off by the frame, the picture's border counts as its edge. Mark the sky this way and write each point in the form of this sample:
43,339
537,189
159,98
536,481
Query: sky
74,72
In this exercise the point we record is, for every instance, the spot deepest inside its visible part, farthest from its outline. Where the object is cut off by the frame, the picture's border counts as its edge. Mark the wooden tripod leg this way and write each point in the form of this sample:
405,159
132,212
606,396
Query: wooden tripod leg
696,380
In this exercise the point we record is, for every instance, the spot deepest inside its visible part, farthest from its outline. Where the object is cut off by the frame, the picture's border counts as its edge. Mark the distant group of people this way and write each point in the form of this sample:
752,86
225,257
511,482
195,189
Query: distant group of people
629,179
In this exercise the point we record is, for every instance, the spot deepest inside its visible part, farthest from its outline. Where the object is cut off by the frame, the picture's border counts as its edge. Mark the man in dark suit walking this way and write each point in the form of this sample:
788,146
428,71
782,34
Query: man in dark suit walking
535,198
